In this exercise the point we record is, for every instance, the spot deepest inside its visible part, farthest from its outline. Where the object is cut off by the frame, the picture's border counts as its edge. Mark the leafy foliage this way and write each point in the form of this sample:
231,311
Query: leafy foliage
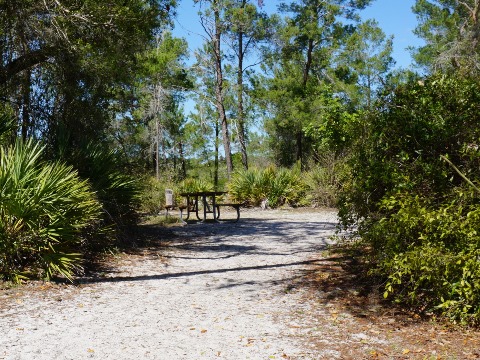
450,31
430,253
71,64
277,186
152,195
116,190
400,143
195,185
413,209
325,179
44,208
317,64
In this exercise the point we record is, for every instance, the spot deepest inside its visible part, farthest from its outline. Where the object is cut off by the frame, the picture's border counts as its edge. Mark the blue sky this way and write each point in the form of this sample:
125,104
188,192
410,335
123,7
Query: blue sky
394,17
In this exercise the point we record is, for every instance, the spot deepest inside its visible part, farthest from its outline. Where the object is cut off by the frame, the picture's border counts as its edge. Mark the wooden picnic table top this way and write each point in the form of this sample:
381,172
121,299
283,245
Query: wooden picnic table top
203,193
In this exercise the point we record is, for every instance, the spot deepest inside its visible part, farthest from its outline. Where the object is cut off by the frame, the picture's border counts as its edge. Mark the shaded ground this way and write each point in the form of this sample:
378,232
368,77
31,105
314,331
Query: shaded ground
360,324
262,288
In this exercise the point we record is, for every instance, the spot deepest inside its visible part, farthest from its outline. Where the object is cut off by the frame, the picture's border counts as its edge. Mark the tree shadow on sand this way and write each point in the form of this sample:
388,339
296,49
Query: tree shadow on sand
215,241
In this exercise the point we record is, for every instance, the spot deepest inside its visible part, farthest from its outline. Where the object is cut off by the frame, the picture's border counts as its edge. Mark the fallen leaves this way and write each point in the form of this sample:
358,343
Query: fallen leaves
283,356
202,331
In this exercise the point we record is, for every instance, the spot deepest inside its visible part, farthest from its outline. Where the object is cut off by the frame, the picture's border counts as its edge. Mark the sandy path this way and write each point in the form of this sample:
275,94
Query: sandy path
221,294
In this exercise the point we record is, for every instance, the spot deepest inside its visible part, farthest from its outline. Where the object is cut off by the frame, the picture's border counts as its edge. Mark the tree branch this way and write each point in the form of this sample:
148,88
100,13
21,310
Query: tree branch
460,173
24,62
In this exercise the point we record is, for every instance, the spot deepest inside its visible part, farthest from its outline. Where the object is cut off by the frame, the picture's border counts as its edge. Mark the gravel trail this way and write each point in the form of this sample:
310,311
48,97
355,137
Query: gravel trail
212,291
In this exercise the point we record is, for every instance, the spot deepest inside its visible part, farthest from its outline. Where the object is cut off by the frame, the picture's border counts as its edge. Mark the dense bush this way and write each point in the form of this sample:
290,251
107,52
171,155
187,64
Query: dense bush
117,191
194,185
401,141
412,208
44,210
276,186
152,195
430,252
325,179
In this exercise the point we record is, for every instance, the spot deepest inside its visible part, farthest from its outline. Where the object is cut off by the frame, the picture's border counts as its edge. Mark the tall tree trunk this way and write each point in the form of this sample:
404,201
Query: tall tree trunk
219,90
157,148
174,159
26,105
308,62
306,73
183,165
25,90
369,91
240,109
215,174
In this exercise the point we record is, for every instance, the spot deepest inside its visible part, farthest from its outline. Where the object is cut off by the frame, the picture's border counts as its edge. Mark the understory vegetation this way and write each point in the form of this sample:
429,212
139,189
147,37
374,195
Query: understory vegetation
46,213
414,198
51,216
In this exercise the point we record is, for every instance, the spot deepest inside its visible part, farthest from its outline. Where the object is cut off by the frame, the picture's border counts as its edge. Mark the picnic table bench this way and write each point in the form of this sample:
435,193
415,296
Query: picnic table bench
233,205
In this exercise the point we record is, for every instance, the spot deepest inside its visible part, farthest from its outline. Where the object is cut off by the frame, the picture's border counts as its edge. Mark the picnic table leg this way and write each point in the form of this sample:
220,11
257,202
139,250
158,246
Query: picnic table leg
181,216
188,208
204,199
214,209
196,207
238,212
236,207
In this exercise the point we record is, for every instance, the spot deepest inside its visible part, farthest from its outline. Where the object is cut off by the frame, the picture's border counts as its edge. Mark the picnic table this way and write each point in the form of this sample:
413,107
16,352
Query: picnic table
209,202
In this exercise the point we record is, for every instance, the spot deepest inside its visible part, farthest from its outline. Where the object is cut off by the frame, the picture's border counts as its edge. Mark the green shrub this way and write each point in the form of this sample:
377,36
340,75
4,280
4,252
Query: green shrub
408,197
117,191
325,180
401,141
429,251
436,279
152,196
285,187
277,186
44,209
194,185
8,126
247,186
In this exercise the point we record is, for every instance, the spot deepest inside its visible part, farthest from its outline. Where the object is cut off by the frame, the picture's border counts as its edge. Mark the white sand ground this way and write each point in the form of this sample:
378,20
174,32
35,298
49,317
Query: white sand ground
213,291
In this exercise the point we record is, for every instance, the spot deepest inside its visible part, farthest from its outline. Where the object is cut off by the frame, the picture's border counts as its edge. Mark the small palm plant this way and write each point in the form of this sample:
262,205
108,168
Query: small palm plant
117,191
278,186
287,187
195,185
248,186
44,207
